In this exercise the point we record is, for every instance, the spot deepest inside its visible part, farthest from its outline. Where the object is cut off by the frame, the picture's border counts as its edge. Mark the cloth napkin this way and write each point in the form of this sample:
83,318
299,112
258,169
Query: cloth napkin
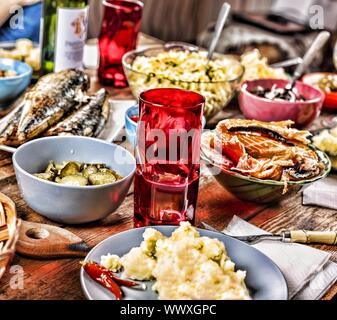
308,271
322,193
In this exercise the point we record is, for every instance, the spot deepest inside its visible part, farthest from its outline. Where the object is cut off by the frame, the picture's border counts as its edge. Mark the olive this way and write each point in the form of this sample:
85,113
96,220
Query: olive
44,175
71,168
101,178
74,180
89,170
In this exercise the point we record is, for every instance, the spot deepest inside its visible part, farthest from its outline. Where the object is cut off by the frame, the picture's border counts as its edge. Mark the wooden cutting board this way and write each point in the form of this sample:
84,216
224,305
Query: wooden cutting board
42,241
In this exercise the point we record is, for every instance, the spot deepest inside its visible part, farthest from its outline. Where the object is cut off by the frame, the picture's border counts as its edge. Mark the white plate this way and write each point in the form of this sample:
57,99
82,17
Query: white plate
264,279
116,121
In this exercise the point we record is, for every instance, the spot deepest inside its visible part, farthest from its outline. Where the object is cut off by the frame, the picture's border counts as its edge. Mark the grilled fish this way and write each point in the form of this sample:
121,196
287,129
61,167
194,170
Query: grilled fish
264,150
88,121
8,135
51,98
280,131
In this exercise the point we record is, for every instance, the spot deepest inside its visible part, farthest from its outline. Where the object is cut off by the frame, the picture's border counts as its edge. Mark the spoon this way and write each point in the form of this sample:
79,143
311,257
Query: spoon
287,63
7,149
309,56
222,18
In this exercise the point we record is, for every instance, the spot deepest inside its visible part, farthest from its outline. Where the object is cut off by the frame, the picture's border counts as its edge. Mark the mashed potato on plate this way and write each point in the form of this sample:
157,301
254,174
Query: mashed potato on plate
185,266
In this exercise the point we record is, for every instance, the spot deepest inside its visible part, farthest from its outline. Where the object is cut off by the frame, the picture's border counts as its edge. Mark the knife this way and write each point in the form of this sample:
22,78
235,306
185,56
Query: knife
293,236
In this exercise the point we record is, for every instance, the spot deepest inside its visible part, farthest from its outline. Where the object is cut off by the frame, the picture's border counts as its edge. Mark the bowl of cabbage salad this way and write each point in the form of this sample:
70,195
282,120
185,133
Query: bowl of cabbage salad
185,67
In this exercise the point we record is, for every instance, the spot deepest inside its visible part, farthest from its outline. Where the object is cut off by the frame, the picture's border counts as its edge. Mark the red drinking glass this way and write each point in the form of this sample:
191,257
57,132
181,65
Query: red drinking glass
168,156
120,28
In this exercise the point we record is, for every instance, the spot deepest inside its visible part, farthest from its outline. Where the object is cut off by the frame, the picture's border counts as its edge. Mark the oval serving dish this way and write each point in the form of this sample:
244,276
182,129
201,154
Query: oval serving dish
259,190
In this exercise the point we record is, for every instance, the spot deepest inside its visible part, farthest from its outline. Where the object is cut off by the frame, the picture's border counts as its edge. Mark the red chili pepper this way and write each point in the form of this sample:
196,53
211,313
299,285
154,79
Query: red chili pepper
97,273
122,282
128,283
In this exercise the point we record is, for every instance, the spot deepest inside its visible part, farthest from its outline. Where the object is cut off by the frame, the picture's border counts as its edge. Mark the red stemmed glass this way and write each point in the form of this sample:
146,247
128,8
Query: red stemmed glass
168,157
119,32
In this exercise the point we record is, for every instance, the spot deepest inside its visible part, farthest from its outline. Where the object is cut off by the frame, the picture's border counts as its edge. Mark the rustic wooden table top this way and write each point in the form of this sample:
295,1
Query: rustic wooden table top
59,279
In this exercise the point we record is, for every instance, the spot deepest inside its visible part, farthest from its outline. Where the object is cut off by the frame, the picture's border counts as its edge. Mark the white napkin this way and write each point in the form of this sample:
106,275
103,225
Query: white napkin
322,193
308,271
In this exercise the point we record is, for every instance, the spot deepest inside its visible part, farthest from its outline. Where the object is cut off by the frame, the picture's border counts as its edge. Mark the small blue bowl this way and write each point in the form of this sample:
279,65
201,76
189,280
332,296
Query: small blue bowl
131,126
12,87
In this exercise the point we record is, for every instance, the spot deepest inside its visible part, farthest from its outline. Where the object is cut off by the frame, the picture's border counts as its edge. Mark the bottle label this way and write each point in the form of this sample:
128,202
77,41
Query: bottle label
71,33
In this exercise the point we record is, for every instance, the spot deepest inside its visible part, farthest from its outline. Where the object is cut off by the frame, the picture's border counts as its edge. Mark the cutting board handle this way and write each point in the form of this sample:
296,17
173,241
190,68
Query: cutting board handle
44,241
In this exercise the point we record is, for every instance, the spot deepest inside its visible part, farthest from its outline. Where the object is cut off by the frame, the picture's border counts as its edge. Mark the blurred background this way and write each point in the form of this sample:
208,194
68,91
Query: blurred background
281,29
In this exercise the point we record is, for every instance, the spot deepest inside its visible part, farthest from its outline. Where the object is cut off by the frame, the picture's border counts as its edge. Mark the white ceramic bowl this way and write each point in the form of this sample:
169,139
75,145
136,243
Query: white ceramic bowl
69,204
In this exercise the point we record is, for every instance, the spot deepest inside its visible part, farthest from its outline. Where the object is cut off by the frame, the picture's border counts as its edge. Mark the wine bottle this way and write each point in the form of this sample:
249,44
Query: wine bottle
64,33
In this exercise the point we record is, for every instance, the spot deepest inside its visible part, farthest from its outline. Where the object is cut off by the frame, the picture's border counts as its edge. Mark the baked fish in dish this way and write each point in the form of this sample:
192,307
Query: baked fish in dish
50,99
88,120
272,151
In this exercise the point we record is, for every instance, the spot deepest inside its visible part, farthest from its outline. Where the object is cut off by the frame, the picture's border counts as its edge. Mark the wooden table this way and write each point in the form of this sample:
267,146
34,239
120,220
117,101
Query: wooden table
59,279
